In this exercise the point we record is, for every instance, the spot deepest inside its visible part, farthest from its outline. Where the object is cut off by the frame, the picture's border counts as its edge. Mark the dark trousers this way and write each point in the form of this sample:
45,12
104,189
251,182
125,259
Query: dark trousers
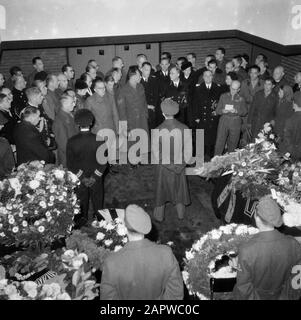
95,193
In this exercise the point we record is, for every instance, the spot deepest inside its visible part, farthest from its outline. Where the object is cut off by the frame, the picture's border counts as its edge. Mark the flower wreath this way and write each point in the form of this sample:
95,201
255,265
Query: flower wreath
200,261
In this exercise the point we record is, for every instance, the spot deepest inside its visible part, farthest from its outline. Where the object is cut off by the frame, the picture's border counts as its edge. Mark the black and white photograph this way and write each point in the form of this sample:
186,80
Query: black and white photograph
150,151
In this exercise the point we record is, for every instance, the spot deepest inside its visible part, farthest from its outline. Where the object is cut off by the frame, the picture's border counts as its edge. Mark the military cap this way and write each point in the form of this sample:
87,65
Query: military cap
80,85
3,120
84,118
169,107
137,219
297,98
269,211
186,65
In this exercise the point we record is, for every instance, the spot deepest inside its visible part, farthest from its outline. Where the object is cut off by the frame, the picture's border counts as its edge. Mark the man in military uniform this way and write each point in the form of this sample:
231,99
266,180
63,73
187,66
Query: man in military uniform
151,90
231,107
178,91
142,270
204,102
265,262
170,179
162,76
19,97
81,153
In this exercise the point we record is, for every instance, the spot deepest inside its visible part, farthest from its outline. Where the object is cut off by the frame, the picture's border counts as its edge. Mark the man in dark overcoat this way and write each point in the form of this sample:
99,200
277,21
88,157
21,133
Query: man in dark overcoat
170,180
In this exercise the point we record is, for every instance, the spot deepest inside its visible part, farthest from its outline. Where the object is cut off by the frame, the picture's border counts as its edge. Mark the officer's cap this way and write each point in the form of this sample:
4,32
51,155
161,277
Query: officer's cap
169,107
137,219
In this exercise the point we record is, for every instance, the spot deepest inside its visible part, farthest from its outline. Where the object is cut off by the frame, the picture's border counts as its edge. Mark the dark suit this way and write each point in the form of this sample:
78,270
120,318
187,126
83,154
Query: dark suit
180,95
142,270
8,129
262,110
204,103
19,102
81,159
264,264
151,89
163,82
292,136
30,145
7,161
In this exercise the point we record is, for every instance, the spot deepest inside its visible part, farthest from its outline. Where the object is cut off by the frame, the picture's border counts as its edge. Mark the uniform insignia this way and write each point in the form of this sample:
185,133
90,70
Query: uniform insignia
198,84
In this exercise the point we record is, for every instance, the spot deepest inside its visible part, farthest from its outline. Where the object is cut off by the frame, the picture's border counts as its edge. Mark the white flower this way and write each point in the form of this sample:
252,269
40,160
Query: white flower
31,288
10,290
272,136
69,254
59,174
185,276
108,242
15,184
73,177
24,224
11,221
100,236
121,230
76,211
40,175
261,135
63,296
15,229
2,234
61,198
37,223
292,216
34,184
117,248
124,240
51,290
3,283
216,234
240,174
43,204
189,255
109,226
20,215
51,198
243,164
241,229
41,229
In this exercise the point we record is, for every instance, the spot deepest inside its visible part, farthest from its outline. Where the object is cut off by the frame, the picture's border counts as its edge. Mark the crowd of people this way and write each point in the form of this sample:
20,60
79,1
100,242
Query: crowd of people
55,118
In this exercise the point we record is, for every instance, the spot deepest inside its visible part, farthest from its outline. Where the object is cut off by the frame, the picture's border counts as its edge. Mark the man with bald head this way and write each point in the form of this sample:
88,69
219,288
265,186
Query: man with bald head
62,84
279,77
231,107
204,100
19,97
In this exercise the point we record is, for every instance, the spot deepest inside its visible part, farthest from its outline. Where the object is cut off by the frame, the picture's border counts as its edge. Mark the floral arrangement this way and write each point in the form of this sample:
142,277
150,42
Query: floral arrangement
201,260
84,243
111,235
288,193
255,161
37,205
73,280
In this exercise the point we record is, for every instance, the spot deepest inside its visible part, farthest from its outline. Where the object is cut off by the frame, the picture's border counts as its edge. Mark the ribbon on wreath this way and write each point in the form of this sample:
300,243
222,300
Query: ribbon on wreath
228,191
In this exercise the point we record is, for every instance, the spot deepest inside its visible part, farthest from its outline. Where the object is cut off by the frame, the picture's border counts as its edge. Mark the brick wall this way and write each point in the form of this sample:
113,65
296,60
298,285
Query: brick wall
204,47
291,64
53,59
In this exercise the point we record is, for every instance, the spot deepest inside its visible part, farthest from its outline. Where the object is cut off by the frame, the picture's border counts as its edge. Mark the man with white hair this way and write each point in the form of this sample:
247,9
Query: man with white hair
62,84
279,77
